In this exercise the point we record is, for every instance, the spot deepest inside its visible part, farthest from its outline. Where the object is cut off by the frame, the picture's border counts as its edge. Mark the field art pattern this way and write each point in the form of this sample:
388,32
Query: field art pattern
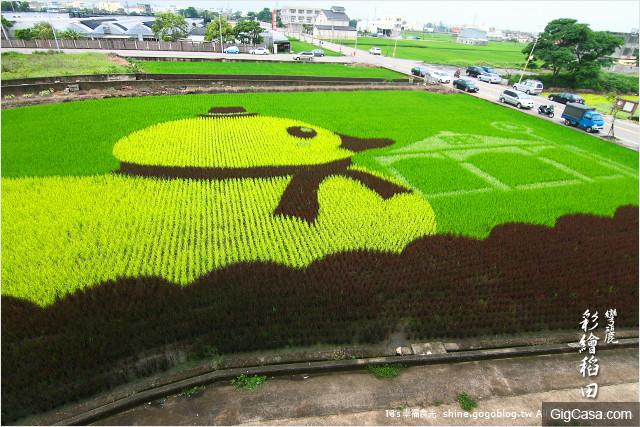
259,221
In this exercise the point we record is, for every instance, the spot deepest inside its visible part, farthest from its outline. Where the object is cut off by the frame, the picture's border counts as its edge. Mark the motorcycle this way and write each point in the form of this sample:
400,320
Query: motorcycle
457,74
546,110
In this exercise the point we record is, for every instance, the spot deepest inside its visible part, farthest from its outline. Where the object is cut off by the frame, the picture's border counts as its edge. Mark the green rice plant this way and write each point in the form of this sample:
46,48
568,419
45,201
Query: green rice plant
45,92
27,95
10,96
267,68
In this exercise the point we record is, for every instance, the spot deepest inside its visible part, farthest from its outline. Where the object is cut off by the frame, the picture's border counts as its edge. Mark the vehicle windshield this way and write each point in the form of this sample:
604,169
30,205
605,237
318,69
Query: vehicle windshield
596,117
523,96
488,69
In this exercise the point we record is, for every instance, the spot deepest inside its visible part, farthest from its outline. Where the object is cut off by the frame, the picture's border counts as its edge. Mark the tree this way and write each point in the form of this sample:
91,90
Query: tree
191,12
567,45
170,27
353,23
265,15
42,30
15,6
213,30
206,16
71,35
24,34
248,32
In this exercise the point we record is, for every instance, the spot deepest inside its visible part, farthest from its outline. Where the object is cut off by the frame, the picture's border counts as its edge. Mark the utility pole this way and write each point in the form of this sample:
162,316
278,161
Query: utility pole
52,29
220,22
528,59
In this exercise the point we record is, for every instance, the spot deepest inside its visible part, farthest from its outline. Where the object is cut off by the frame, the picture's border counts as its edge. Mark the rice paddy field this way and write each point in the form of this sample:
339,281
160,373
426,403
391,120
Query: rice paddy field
495,54
268,68
299,46
247,222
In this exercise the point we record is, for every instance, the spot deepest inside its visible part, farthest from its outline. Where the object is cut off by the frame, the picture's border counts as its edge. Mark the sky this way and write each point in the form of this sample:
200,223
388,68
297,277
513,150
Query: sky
528,16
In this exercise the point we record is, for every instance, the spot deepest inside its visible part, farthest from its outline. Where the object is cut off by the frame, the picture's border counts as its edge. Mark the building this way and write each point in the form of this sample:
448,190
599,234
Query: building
389,26
293,17
627,54
281,42
494,35
473,35
333,24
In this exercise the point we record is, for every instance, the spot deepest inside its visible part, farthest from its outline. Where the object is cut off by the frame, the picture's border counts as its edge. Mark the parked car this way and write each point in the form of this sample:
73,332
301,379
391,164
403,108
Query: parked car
490,77
317,52
420,71
259,51
583,116
488,69
532,87
303,56
231,49
442,77
375,51
564,98
517,98
474,71
465,84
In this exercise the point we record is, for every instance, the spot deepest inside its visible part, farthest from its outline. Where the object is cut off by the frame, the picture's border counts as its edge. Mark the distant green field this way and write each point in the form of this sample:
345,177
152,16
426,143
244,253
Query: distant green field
299,46
495,54
17,65
267,68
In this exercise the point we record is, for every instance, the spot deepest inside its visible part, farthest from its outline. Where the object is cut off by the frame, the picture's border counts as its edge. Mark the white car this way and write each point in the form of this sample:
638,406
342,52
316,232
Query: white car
442,77
532,87
259,51
375,51
490,77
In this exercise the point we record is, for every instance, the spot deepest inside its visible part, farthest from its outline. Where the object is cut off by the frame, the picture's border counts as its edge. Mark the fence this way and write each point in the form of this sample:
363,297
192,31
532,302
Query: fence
115,44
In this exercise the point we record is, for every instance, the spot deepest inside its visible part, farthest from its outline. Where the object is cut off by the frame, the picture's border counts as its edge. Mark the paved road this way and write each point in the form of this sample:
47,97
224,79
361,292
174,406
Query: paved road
516,386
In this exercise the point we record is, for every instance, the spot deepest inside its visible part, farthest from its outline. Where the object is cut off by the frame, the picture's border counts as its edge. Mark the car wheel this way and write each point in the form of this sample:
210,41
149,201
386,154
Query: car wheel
468,90
528,92
515,87
567,122
502,100
589,129
519,105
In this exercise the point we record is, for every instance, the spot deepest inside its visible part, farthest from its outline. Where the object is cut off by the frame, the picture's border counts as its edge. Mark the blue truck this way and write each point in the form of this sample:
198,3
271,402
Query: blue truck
581,115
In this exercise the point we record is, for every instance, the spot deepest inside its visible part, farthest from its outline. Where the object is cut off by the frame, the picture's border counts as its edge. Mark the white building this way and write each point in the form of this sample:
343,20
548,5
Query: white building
389,26
333,24
294,17
473,35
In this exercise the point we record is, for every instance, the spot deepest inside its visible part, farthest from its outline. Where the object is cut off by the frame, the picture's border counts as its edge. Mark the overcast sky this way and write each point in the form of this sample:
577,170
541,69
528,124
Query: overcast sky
531,16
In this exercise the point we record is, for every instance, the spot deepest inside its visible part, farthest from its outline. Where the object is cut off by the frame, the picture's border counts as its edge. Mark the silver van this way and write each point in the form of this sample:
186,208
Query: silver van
514,97
532,87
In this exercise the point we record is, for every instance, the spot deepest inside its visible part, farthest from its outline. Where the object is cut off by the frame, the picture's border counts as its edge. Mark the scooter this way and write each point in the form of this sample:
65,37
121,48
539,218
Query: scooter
457,74
546,110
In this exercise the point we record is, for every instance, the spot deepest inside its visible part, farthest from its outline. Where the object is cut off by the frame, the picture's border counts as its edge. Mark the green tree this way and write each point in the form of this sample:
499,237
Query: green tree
207,16
248,32
24,34
42,30
265,15
170,27
6,23
213,30
15,6
353,23
568,45
70,35
191,12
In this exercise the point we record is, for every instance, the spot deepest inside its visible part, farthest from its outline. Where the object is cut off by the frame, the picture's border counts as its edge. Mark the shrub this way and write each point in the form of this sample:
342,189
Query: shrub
386,371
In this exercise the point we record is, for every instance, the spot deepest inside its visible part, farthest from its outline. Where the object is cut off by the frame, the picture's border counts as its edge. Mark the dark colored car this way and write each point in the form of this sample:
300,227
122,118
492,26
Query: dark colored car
488,69
420,71
474,71
465,84
317,52
565,97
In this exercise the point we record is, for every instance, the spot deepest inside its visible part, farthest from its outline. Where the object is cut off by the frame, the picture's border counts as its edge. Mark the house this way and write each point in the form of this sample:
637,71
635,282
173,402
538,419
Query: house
333,24
473,35
281,42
